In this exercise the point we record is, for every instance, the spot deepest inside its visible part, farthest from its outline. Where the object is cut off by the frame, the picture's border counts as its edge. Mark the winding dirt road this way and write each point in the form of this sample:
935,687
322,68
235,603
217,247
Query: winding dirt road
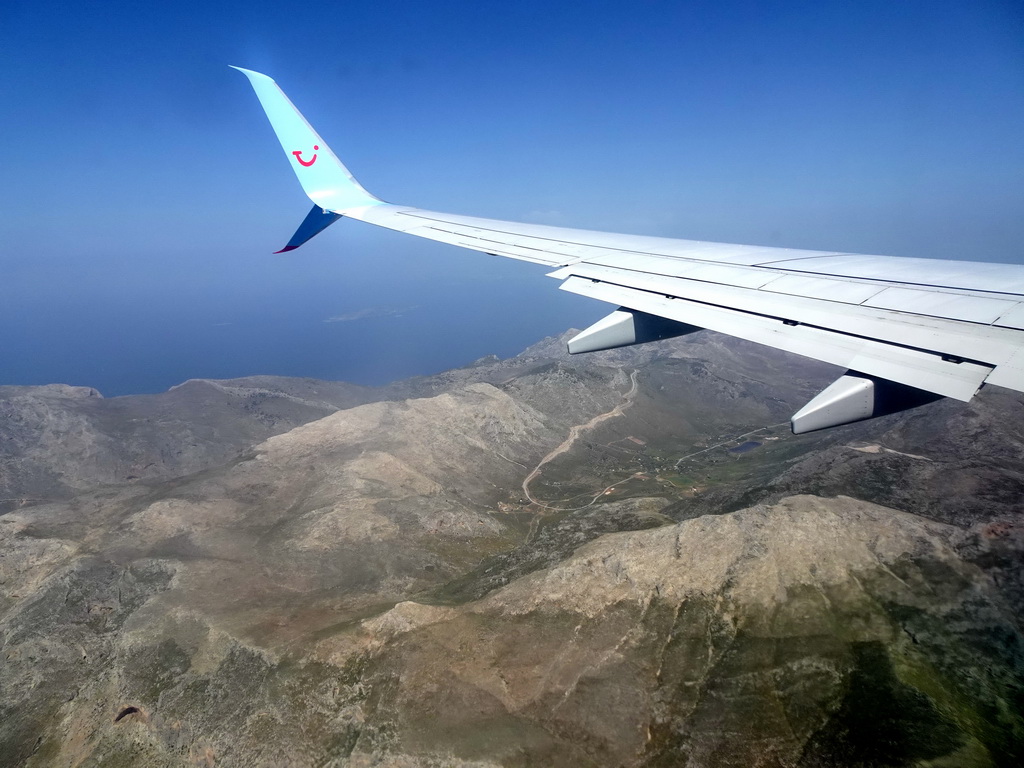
574,433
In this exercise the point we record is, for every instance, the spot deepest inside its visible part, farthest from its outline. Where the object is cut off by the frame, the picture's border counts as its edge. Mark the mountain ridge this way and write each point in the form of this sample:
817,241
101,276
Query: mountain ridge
371,587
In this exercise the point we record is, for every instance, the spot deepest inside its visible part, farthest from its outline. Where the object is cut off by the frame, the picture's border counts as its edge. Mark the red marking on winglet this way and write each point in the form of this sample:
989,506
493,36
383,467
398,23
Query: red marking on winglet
306,163
286,249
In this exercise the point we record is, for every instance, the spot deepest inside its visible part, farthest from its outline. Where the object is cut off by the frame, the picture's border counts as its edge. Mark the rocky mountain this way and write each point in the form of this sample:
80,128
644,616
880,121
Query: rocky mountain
618,559
58,440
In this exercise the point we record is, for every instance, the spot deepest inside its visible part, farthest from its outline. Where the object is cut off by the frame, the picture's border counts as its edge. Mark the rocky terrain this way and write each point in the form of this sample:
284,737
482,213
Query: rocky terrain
58,440
617,559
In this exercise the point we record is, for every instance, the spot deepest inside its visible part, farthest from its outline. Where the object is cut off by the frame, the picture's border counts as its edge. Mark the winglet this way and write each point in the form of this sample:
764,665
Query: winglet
322,175
316,221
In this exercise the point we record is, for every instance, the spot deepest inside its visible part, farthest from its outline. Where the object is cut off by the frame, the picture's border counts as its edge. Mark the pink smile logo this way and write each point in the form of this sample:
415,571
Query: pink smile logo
307,163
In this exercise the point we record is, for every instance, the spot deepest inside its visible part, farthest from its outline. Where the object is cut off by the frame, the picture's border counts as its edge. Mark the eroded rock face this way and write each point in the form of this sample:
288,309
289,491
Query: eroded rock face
812,632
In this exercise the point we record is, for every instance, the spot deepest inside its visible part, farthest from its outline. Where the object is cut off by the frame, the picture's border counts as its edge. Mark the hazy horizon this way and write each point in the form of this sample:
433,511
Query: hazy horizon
369,334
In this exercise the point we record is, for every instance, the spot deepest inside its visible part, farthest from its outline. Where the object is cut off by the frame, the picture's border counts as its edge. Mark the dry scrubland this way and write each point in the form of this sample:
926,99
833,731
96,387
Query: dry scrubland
289,572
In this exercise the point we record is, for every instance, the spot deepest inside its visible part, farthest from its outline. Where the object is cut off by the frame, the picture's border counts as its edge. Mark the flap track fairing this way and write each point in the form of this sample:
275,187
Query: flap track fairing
855,397
624,327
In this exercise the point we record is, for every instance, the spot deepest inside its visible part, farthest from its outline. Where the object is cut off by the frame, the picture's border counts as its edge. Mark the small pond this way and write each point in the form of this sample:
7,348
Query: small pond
747,446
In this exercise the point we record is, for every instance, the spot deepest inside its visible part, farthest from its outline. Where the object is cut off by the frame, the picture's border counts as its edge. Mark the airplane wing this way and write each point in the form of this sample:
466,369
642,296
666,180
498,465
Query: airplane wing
907,330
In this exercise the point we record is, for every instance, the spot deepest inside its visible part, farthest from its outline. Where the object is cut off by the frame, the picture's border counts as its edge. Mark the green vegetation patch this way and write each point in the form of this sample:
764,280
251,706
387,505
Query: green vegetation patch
881,721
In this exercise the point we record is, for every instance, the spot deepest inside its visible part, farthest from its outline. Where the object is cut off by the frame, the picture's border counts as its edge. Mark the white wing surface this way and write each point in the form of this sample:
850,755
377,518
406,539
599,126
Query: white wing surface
907,330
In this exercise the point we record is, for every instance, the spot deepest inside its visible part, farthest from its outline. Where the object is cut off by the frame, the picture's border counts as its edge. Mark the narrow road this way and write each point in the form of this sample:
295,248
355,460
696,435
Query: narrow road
730,440
574,433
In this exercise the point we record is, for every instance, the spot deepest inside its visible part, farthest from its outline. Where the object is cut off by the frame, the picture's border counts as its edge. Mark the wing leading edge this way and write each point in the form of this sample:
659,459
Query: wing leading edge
906,330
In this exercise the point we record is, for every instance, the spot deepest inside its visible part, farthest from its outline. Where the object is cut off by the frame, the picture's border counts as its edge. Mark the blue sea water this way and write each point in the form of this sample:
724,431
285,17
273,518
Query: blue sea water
351,324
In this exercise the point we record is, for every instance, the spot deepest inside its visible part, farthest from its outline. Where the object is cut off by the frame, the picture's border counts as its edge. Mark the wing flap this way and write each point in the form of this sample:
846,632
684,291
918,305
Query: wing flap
1013,318
908,366
970,309
829,289
972,342
931,273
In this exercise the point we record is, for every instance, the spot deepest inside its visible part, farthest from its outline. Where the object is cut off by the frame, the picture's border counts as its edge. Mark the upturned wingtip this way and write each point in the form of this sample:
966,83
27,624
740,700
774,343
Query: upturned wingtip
252,74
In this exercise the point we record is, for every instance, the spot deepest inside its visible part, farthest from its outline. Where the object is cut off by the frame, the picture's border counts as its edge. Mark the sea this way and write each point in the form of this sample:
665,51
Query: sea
373,330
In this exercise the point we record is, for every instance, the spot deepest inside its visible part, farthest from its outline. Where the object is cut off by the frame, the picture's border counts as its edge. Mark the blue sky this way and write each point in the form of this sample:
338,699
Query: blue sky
144,191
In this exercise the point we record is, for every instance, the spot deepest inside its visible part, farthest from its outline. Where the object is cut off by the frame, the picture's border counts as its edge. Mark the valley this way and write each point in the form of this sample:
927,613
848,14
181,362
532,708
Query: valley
533,561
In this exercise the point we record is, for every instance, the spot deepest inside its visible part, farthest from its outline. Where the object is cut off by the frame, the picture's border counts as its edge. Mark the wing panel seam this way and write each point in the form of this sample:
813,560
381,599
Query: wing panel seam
788,321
